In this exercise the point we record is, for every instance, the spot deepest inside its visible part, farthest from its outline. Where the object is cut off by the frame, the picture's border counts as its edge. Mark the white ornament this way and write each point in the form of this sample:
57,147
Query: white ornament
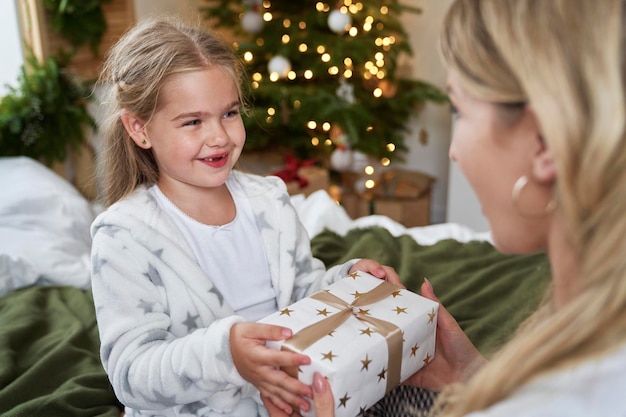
338,21
252,22
280,65
359,161
345,91
341,158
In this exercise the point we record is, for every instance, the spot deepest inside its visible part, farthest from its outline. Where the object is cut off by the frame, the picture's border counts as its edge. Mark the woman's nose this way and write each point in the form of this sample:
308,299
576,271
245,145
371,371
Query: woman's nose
452,151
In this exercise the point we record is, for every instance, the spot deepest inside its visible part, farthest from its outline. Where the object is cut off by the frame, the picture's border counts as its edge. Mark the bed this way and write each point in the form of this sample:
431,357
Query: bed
49,362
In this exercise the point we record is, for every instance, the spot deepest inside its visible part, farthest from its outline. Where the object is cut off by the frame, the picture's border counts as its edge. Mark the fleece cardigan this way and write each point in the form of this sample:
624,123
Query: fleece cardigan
164,327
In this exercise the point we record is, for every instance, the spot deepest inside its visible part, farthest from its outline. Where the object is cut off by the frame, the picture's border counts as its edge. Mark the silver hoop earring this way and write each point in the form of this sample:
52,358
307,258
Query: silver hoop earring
516,195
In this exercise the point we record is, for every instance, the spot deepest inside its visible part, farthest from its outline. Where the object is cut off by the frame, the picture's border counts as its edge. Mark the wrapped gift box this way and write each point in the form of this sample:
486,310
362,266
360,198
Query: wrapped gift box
402,195
403,184
315,178
364,334
408,212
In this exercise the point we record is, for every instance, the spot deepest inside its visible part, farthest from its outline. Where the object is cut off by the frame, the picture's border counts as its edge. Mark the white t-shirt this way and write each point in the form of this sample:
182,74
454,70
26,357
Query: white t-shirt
231,255
592,389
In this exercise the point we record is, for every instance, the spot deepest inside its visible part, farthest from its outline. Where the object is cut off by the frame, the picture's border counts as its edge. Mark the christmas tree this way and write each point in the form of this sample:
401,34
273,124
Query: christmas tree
324,75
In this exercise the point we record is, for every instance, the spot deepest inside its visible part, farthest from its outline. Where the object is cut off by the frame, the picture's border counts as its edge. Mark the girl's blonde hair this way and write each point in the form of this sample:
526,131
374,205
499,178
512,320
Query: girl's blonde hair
134,72
566,60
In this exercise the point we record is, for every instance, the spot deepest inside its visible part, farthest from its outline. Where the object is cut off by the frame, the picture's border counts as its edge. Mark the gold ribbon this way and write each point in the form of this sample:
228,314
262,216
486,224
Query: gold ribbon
392,333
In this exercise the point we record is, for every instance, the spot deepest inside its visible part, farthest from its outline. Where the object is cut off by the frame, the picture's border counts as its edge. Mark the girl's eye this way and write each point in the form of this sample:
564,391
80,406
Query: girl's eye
231,113
192,122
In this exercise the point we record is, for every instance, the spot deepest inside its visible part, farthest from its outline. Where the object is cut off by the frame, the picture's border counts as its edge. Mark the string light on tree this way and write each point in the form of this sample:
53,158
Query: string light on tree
308,63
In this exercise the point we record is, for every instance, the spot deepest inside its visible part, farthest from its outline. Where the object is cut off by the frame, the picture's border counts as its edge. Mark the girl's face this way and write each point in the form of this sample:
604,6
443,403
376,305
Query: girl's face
197,133
493,148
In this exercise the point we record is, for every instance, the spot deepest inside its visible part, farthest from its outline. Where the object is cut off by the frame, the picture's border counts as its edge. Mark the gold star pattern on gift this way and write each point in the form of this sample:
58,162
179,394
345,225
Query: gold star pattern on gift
354,275
286,312
367,331
328,356
399,310
414,349
396,293
331,333
366,363
362,411
323,312
382,373
427,359
364,311
431,316
343,400
356,294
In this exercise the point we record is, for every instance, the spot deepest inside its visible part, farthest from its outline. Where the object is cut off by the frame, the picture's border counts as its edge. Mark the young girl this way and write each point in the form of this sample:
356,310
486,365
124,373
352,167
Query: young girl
191,253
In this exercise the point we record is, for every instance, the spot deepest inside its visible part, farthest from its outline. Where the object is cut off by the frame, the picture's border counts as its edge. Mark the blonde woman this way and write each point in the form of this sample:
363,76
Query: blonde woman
538,88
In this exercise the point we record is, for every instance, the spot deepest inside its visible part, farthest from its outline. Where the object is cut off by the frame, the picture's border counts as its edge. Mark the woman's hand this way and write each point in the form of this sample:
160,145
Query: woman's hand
323,400
260,365
379,271
456,358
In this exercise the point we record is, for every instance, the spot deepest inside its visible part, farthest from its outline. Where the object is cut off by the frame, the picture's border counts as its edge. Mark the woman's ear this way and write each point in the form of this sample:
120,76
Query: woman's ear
542,160
136,129
544,169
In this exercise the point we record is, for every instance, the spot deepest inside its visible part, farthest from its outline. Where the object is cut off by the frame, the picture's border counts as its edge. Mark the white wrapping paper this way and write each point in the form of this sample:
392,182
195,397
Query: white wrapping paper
355,356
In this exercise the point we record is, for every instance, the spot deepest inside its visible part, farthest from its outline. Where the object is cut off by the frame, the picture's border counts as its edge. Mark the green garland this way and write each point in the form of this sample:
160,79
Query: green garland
81,22
45,115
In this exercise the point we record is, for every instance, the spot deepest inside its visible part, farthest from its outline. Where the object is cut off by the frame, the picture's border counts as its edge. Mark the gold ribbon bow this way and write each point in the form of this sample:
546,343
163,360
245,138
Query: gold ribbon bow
392,333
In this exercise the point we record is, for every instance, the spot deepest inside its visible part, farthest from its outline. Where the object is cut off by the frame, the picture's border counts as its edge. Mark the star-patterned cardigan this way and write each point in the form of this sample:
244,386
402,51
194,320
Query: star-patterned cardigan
164,327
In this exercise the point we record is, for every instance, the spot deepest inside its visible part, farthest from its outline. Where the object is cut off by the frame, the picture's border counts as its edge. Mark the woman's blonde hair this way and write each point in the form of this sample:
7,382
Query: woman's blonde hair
134,72
566,60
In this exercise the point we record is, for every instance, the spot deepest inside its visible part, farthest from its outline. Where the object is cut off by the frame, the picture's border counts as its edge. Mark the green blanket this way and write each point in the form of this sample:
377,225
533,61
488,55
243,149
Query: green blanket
489,293
49,355
49,361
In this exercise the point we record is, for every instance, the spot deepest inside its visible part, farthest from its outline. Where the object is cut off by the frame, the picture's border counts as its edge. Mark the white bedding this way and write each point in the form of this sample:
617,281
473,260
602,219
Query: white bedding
44,226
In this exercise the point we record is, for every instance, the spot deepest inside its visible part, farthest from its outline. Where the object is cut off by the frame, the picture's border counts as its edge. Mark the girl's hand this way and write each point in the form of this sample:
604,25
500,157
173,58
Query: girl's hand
456,358
260,365
379,271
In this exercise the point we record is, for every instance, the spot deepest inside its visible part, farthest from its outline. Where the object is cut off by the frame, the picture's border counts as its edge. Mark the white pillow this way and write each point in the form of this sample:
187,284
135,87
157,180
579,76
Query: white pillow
44,228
